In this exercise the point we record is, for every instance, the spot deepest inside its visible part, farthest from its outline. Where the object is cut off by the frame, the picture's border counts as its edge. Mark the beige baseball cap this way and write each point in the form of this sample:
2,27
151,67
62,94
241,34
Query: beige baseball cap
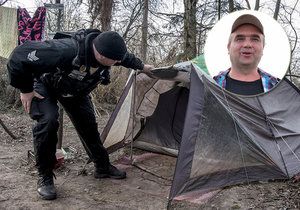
247,19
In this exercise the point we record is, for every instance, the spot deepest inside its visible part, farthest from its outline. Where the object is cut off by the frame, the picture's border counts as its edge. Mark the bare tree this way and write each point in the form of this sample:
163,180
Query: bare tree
205,21
286,16
231,5
134,15
219,9
256,5
70,16
94,9
74,15
190,32
3,2
275,16
248,4
100,13
106,14
144,30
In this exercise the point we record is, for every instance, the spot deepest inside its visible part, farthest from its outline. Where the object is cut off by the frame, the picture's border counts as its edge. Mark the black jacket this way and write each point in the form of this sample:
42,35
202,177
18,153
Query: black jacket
53,58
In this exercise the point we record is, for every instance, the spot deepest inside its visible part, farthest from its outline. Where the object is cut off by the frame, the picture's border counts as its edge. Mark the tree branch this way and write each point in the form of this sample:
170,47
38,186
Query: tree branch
3,2
292,75
7,130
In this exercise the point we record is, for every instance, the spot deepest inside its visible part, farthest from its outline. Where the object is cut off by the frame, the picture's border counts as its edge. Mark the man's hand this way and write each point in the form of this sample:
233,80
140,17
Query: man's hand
26,99
147,70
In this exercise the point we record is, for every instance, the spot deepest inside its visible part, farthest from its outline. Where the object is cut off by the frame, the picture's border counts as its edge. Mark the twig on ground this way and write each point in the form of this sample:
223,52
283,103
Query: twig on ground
147,171
7,130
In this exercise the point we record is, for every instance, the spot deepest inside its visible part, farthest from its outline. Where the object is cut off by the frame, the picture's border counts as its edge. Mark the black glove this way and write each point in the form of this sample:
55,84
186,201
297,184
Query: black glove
105,77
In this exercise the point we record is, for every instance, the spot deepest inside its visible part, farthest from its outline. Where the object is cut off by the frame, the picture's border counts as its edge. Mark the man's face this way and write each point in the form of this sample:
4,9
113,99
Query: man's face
246,46
104,60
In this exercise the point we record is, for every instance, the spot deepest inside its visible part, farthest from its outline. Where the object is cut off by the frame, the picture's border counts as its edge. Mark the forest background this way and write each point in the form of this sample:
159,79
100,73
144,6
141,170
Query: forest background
160,32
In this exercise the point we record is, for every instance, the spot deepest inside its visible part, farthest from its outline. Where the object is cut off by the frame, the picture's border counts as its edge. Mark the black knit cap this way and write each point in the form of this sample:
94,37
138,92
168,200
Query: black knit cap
111,45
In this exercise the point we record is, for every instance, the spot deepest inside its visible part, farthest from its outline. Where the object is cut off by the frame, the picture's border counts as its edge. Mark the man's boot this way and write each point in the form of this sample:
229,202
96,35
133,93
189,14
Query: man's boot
111,172
45,186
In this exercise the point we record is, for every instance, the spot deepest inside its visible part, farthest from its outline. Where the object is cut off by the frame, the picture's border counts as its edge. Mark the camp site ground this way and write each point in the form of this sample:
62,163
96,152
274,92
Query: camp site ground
141,190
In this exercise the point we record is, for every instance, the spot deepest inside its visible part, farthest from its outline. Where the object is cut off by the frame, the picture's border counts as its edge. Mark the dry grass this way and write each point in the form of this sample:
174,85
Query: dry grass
110,93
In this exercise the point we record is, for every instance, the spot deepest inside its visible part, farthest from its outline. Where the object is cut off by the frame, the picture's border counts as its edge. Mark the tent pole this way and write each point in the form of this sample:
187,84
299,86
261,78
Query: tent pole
133,116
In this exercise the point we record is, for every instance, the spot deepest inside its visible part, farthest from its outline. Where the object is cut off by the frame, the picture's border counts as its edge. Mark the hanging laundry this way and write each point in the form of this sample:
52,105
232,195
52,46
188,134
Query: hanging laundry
8,31
31,28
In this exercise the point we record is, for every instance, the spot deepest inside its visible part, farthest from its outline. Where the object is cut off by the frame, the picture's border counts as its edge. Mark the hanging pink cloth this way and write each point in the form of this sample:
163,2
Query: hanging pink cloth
31,28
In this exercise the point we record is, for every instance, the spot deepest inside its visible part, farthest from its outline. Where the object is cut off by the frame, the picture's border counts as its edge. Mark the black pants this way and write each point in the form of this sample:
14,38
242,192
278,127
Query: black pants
81,112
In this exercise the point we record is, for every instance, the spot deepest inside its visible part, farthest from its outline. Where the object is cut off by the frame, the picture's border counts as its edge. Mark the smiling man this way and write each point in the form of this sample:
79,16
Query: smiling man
245,48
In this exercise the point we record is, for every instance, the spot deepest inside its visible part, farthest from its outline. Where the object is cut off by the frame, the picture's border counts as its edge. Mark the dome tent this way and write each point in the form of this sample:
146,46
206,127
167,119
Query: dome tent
219,138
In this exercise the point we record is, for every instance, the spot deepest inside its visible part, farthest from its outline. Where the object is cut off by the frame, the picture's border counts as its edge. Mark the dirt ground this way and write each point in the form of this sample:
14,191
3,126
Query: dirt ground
146,187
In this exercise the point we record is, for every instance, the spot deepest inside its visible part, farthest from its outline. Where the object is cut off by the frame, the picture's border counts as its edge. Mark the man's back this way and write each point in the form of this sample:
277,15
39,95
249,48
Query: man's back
34,58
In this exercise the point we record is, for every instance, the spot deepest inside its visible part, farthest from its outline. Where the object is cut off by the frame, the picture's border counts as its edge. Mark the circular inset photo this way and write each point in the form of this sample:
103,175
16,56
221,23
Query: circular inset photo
247,52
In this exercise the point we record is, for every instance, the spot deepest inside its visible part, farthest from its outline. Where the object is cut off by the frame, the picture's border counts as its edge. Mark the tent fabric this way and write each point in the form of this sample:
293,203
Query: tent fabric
170,114
220,138
8,31
141,106
218,148
200,62
275,125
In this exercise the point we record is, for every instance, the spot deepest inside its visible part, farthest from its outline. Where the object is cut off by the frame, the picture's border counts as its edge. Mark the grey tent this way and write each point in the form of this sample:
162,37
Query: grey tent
219,138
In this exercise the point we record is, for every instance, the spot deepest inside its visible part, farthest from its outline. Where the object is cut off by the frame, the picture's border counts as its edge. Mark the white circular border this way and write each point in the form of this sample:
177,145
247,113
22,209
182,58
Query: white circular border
276,55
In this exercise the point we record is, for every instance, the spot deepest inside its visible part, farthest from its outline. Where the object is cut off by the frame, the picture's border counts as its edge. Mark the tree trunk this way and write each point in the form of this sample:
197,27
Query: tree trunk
3,2
277,9
190,32
106,14
231,5
144,31
248,4
219,9
256,5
